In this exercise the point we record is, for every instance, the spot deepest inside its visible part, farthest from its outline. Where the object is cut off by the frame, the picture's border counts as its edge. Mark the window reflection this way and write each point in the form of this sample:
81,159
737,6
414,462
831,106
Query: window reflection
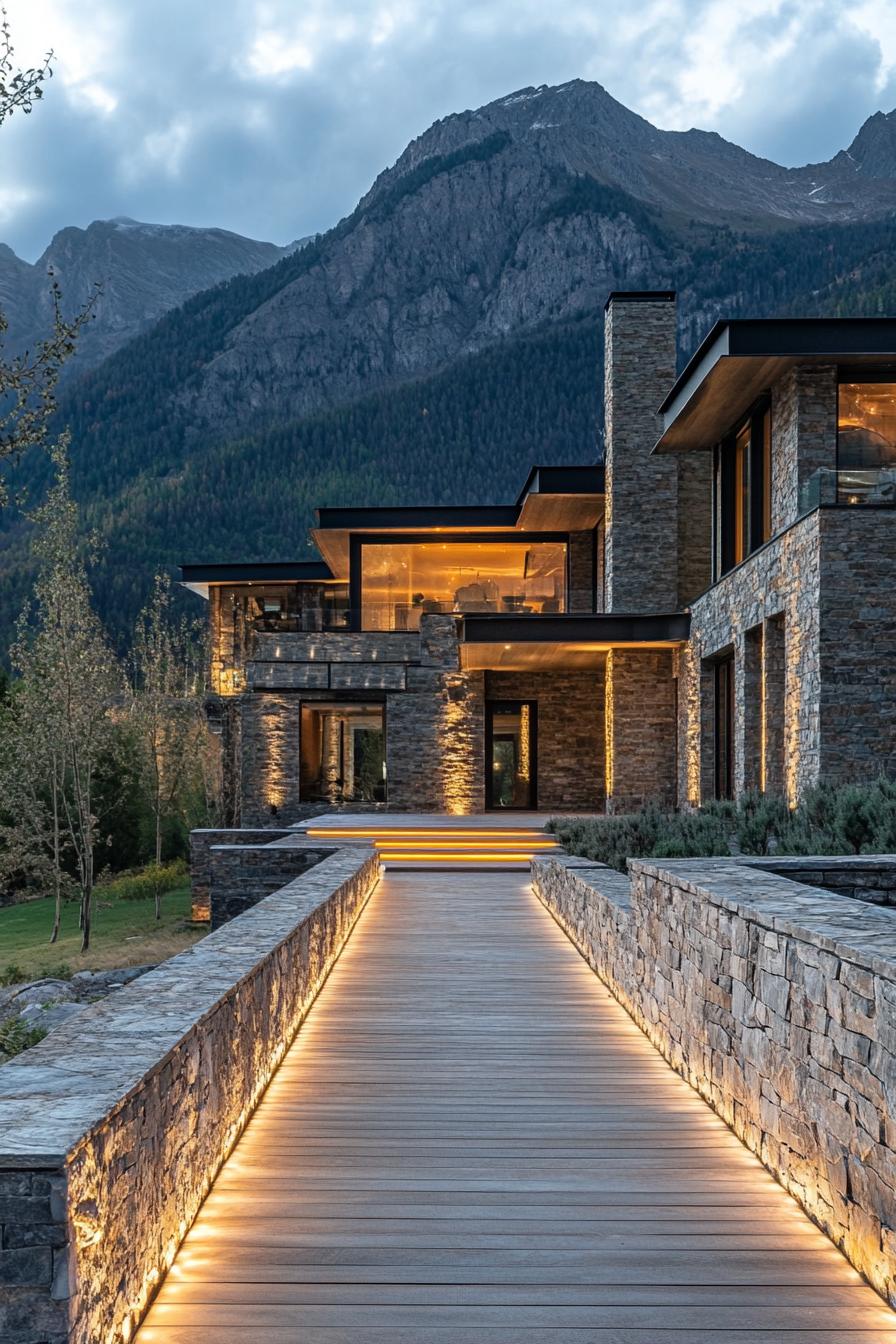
866,442
402,581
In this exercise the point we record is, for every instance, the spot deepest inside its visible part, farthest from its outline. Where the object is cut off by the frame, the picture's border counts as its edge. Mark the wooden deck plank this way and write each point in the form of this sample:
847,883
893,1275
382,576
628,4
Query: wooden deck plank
470,1140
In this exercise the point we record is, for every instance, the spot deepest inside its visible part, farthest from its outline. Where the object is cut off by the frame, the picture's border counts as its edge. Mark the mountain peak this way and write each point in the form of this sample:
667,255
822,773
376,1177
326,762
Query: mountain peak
873,151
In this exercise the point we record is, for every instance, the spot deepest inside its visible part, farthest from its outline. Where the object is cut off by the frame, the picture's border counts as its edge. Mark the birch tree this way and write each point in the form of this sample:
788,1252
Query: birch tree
166,711
69,679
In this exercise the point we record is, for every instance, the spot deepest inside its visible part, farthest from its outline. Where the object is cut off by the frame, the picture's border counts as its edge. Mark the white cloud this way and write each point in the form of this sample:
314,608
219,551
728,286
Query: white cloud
272,117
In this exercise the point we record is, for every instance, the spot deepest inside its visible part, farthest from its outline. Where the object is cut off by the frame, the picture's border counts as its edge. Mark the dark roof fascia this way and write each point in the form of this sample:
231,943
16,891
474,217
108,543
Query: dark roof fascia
497,628
412,518
639,296
574,480
277,571
838,338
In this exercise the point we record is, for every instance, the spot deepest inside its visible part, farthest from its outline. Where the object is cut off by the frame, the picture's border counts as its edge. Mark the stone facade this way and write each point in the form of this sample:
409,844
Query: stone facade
113,1128
641,491
640,729
570,746
776,1002
804,436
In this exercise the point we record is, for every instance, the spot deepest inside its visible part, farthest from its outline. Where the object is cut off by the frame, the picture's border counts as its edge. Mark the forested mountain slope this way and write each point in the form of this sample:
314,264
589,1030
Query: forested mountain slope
447,333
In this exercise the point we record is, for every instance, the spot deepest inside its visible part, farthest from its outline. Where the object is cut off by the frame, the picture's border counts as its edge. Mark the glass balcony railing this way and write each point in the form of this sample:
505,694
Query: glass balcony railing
850,487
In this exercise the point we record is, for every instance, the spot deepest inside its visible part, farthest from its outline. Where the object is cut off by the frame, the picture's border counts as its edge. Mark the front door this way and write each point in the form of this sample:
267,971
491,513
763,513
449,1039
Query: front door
511,728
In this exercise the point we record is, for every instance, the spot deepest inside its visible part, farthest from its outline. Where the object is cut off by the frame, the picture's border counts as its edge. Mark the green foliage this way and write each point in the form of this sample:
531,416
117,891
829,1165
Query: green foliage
11,974
15,1037
437,165
584,195
830,819
143,883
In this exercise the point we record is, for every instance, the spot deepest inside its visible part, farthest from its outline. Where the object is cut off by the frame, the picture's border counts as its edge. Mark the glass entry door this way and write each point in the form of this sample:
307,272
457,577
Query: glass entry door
343,755
511,754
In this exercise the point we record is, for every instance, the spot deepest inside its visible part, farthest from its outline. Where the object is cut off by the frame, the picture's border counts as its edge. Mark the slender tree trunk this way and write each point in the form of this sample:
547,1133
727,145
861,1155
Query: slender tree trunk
158,877
57,869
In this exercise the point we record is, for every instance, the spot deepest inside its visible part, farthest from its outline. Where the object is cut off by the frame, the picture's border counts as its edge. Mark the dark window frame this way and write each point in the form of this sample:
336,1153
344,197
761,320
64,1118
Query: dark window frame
726,497
497,706
723,672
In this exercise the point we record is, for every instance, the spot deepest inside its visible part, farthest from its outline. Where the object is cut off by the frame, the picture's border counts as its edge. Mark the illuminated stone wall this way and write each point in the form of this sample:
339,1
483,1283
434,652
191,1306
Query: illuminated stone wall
581,572
776,1002
270,764
113,1128
810,620
570,746
777,590
639,729
201,842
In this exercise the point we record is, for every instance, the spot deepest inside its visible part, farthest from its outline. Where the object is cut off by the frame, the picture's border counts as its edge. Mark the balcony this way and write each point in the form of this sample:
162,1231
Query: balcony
850,487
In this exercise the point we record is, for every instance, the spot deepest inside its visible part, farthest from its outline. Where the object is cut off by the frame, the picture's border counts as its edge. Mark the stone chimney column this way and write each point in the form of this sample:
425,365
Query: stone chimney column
642,532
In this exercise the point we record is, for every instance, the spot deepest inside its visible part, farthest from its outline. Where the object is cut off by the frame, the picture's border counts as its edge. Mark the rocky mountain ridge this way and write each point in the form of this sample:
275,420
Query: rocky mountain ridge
143,271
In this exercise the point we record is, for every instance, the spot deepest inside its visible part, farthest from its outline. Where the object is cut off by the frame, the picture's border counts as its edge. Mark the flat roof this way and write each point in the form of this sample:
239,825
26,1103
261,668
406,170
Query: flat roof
199,577
511,641
740,358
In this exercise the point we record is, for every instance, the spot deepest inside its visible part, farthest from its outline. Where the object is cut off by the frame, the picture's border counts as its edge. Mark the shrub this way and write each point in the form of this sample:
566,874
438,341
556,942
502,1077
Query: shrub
143,883
16,1037
830,819
12,974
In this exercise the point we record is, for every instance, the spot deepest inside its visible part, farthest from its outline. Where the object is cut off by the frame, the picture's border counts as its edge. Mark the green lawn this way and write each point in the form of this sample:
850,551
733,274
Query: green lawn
124,933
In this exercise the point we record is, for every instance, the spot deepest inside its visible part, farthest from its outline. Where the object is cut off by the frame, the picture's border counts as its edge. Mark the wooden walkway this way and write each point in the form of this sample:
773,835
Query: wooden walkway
471,1143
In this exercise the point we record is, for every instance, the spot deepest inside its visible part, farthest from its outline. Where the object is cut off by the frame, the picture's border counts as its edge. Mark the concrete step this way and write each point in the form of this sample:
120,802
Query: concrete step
465,848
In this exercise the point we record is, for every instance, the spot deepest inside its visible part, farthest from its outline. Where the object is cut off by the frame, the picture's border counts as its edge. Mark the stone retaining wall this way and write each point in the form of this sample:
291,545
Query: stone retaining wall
113,1129
201,842
777,1002
242,875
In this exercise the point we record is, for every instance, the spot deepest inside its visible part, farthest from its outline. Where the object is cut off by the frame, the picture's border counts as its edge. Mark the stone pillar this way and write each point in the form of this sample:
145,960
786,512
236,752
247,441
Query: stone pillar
270,758
748,712
804,436
581,596
330,774
642,490
772,780
640,729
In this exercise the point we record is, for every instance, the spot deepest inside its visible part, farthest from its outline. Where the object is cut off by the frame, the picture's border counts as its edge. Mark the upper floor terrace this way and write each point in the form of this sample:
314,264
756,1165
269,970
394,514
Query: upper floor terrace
797,414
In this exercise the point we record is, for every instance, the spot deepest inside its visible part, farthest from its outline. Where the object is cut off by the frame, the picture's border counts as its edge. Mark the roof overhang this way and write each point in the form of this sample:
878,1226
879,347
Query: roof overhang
741,359
554,499
198,578
513,642
562,499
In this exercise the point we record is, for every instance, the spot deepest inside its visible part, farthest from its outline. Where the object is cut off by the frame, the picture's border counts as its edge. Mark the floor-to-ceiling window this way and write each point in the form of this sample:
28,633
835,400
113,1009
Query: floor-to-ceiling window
866,442
403,579
742,490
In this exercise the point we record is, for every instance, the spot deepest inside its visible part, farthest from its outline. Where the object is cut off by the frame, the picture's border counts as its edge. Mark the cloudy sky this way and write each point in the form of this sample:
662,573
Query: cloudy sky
271,117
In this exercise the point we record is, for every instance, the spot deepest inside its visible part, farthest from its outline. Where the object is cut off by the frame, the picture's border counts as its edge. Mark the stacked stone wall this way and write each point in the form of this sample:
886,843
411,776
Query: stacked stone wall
570,747
201,842
640,729
641,490
113,1128
582,578
777,589
804,435
776,1002
242,874
858,643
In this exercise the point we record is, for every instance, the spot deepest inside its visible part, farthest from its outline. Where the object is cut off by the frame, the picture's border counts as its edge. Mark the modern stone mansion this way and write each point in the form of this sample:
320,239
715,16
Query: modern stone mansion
711,611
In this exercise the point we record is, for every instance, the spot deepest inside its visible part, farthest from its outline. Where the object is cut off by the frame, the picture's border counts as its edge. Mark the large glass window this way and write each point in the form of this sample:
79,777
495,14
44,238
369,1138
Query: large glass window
404,580
742,490
866,442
